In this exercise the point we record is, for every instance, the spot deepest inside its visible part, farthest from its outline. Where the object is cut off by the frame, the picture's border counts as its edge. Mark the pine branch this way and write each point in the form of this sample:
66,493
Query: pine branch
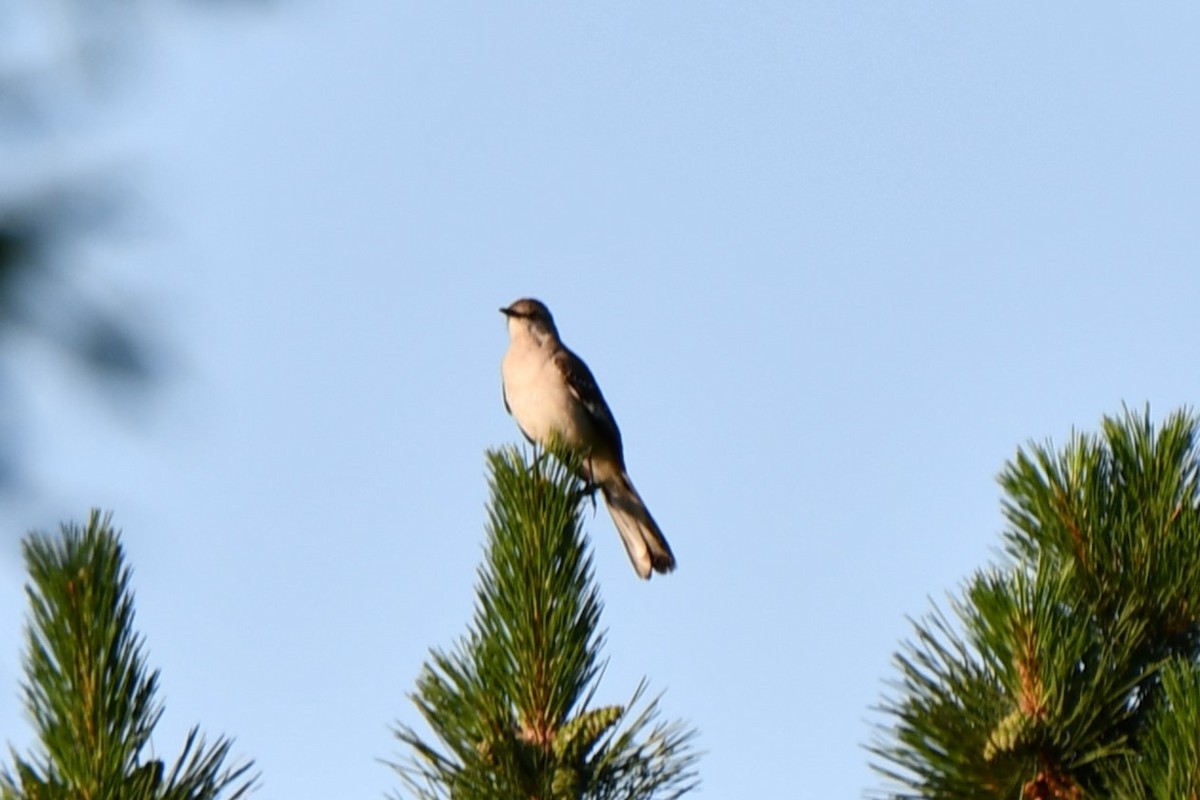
88,691
511,704
1048,682
1167,766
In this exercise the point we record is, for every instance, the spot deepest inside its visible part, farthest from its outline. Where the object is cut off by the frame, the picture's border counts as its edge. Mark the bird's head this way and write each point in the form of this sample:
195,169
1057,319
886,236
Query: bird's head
530,315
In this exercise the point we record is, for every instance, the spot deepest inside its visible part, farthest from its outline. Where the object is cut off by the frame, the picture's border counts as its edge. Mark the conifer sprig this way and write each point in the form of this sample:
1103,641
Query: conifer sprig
88,691
512,704
1048,684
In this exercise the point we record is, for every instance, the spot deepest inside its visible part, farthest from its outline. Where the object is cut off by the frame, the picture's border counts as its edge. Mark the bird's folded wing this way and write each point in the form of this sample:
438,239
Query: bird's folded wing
583,386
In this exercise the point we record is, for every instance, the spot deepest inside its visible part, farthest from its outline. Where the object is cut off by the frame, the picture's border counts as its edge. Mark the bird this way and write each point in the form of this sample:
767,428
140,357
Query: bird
550,392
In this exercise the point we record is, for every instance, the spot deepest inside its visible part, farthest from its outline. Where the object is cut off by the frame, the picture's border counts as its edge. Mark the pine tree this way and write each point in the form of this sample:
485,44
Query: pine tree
1068,669
87,689
512,705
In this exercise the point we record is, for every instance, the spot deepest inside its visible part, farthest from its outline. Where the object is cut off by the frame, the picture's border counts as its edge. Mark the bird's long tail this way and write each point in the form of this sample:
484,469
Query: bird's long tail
644,541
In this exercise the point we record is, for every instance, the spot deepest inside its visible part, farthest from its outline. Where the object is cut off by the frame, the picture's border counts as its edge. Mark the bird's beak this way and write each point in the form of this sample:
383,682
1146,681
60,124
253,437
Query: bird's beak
506,312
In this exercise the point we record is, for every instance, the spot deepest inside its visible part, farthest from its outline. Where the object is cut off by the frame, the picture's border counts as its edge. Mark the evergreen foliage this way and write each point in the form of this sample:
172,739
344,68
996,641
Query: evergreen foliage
1070,669
87,689
512,703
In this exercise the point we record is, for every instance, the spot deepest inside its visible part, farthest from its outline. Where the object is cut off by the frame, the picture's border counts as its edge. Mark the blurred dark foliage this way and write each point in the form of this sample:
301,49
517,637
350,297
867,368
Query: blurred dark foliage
32,266
42,298
62,62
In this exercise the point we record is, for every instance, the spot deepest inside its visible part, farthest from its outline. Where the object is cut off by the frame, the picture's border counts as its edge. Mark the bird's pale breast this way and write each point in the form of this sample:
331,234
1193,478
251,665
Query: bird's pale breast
540,398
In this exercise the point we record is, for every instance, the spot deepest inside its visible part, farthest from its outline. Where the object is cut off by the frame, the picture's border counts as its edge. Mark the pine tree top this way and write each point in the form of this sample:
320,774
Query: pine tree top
1060,665
513,703
88,690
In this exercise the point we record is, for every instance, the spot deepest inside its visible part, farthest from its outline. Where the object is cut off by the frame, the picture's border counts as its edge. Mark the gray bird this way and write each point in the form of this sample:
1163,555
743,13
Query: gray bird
549,390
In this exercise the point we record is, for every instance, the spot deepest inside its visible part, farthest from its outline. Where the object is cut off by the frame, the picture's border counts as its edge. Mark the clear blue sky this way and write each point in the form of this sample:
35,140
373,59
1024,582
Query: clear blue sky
832,263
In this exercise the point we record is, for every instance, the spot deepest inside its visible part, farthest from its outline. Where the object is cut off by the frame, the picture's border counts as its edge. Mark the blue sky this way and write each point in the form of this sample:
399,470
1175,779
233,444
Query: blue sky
831,263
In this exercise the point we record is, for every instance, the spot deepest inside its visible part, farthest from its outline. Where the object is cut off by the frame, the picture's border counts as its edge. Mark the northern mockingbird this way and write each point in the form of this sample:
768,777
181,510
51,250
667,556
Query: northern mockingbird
550,391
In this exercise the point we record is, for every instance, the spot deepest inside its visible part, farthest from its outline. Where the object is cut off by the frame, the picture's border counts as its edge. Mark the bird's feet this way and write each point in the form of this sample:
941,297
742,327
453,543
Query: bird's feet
539,456
588,492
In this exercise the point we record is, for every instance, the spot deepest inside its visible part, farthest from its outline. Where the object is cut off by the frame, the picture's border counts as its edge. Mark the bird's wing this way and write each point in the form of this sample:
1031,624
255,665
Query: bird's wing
583,386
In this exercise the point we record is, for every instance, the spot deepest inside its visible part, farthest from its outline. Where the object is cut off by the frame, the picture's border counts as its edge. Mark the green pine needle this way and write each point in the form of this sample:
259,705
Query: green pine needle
510,704
1048,684
88,691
